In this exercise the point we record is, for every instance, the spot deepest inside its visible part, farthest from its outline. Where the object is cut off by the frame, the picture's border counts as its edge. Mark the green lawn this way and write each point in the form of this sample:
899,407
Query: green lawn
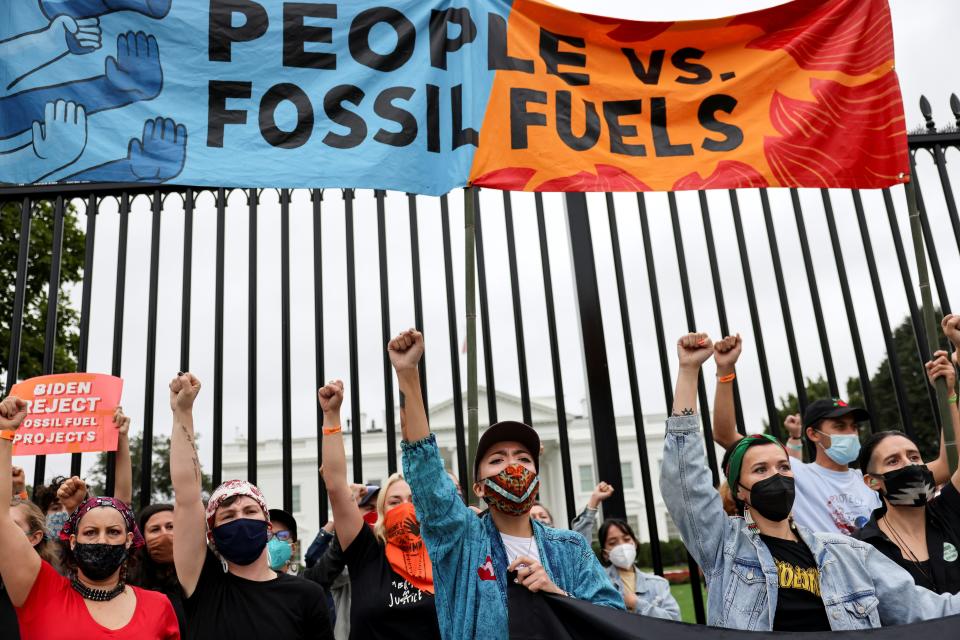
684,595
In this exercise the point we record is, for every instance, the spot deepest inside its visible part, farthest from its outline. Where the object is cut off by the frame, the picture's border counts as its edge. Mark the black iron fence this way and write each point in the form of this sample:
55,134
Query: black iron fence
813,297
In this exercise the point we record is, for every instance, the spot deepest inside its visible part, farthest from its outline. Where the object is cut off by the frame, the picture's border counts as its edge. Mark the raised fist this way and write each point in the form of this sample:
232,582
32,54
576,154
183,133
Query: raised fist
406,350
331,396
71,493
122,421
694,349
12,412
600,493
941,366
951,328
794,425
19,479
183,391
726,352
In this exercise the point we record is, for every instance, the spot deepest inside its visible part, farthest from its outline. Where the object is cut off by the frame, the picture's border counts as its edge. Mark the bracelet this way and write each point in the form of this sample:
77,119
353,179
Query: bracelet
952,399
727,378
329,431
8,434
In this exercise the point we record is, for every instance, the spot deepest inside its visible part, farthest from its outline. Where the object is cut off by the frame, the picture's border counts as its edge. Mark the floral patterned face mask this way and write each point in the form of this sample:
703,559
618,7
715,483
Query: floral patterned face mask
513,491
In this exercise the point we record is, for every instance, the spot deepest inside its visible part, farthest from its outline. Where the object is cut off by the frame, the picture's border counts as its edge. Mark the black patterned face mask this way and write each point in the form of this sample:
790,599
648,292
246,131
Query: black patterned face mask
909,486
99,561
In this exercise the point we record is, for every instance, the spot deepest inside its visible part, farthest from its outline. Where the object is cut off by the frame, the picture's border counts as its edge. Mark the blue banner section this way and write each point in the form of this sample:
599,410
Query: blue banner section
237,93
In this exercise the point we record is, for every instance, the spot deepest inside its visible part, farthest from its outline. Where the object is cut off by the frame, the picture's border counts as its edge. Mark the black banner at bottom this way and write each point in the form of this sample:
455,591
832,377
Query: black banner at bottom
543,617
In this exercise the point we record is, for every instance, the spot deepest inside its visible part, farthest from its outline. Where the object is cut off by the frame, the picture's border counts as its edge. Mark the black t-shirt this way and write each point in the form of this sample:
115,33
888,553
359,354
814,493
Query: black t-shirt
9,627
941,573
383,605
227,606
799,604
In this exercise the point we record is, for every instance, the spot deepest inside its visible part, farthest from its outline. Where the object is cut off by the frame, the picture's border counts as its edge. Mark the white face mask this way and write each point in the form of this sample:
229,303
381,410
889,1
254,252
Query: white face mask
623,555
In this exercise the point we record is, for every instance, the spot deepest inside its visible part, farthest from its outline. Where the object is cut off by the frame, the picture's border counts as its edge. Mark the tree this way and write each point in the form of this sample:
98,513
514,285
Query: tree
38,277
881,383
162,487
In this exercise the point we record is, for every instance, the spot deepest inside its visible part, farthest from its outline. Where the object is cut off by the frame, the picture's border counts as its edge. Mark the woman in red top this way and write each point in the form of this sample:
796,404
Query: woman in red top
94,602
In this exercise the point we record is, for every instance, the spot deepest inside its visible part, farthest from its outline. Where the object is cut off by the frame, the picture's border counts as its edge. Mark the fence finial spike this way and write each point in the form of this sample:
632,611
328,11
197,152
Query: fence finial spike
927,112
955,107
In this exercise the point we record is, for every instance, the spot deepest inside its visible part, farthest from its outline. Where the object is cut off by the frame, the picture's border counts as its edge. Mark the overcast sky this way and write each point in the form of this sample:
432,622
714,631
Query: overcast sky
927,50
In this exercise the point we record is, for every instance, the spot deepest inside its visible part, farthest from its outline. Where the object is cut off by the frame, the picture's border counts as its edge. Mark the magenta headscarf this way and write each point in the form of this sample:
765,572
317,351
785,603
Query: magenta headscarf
71,525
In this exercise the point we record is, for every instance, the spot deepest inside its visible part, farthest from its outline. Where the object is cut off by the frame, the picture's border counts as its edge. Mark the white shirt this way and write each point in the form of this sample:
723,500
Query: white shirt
831,501
517,547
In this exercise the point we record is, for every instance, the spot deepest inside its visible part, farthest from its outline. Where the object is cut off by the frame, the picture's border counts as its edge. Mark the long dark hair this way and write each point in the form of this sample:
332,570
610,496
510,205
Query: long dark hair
619,523
146,572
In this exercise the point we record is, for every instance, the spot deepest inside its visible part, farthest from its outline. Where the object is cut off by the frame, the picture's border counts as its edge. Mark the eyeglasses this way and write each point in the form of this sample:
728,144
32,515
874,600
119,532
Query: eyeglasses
283,536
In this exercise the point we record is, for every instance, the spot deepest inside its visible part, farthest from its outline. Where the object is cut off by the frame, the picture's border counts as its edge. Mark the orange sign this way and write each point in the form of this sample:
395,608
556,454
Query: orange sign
68,413
799,95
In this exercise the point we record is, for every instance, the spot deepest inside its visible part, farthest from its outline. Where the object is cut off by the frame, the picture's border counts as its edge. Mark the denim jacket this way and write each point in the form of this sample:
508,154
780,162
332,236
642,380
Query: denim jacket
654,598
861,588
585,523
469,559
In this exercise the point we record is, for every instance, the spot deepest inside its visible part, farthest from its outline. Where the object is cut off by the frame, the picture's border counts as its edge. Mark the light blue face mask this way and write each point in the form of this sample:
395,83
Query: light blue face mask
843,449
279,553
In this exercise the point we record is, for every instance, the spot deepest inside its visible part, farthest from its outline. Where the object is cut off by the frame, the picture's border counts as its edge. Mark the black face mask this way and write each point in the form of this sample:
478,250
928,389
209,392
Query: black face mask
772,497
909,486
99,561
241,541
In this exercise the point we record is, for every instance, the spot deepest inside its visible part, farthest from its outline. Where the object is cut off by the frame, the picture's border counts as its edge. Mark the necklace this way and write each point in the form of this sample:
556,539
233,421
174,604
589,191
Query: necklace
912,557
97,595
528,552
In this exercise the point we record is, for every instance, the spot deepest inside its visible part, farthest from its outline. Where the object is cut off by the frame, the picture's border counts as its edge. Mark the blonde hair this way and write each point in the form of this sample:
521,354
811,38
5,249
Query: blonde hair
380,529
46,548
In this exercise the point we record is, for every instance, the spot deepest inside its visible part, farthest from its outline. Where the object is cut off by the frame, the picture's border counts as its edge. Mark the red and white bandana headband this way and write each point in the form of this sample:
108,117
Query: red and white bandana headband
232,488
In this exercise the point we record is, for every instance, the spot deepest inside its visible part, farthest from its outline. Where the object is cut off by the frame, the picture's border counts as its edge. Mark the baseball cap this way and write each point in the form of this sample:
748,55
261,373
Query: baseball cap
831,408
508,431
284,518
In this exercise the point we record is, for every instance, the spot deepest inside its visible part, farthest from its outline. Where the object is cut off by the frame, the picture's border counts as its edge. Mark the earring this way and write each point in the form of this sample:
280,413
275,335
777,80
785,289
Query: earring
749,518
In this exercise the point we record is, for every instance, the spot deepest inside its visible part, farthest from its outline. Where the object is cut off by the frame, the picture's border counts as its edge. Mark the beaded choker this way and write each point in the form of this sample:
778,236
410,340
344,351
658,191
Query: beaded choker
97,595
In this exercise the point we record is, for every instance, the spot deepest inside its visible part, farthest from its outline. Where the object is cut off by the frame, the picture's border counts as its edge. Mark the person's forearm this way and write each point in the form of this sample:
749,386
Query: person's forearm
685,393
724,412
123,471
334,457
184,463
6,471
416,427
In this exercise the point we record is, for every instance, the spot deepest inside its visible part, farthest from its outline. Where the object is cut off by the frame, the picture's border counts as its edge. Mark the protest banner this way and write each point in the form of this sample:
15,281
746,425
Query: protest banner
68,413
422,97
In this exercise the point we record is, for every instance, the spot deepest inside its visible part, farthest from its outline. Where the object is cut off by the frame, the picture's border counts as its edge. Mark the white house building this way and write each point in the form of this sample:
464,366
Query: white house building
374,456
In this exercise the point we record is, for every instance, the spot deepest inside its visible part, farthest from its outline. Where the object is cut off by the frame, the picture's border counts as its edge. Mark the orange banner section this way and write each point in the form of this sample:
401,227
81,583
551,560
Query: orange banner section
799,95
68,413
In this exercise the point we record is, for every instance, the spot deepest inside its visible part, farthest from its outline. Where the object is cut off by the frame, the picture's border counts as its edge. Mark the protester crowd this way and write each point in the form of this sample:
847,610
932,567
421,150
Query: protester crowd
861,535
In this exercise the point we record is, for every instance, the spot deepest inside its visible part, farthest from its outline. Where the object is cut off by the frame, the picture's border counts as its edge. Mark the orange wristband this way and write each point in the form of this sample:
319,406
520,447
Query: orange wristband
727,378
329,431
8,434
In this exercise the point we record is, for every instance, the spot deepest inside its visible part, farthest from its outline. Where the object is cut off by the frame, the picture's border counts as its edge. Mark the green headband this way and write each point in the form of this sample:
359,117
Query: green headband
736,456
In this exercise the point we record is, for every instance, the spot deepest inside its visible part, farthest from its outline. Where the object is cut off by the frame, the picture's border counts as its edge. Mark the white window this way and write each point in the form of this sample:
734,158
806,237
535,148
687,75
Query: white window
626,472
295,498
586,478
673,533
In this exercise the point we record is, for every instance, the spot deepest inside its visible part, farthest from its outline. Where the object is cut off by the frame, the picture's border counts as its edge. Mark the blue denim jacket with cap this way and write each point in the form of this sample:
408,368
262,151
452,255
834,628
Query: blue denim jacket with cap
861,588
469,559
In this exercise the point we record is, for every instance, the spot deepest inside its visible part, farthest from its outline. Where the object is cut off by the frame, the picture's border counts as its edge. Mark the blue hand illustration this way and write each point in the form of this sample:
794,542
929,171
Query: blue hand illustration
95,8
27,52
136,69
161,153
157,157
134,75
58,140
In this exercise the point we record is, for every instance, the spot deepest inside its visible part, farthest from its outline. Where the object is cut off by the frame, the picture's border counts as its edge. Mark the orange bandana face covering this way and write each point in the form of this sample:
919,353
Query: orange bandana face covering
405,549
